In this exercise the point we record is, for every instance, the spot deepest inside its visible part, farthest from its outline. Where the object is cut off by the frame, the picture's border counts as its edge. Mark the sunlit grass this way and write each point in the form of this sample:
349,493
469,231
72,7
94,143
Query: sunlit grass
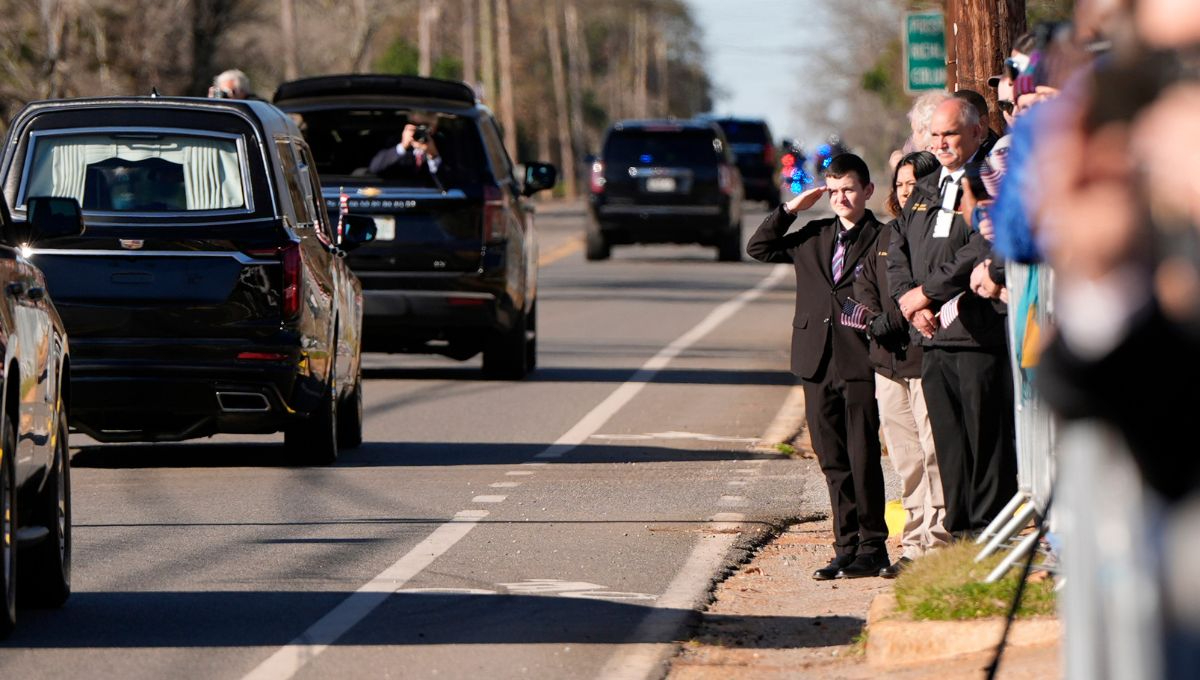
948,585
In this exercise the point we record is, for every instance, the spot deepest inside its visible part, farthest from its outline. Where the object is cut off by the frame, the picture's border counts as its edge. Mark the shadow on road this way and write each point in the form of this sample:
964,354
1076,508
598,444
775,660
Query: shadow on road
669,376
255,618
399,454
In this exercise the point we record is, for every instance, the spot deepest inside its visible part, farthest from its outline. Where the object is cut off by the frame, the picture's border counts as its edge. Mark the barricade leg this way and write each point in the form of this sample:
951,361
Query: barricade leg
1018,522
1003,517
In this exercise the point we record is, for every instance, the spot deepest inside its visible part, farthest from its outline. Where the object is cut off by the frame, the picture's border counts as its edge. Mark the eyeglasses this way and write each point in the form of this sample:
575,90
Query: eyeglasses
1005,105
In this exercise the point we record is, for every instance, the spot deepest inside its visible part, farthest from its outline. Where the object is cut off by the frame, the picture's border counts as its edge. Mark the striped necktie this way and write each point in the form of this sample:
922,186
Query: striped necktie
839,254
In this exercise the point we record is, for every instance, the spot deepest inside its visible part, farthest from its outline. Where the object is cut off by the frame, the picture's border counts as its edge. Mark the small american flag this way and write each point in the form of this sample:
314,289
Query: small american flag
343,208
854,314
949,311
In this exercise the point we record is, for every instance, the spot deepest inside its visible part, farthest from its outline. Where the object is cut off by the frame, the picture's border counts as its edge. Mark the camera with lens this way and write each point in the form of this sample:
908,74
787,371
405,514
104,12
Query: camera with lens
421,134
222,93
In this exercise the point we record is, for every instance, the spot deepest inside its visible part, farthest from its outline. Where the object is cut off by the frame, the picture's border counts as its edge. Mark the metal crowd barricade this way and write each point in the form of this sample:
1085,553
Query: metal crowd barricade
1033,419
1111,602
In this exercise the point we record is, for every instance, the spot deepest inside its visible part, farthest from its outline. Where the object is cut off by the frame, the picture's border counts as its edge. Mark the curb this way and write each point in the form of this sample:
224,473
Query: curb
788,427
895,641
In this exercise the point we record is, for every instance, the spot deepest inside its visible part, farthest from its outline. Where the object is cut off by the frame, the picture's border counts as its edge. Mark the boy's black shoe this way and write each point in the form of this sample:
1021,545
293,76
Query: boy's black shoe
831,570
864,565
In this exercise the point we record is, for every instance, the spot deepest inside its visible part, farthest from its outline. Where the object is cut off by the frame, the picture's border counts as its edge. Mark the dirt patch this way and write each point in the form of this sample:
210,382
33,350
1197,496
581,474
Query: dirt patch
770,619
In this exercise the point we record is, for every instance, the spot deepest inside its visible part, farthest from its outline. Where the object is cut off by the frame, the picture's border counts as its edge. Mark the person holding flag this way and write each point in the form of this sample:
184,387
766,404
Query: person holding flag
829,355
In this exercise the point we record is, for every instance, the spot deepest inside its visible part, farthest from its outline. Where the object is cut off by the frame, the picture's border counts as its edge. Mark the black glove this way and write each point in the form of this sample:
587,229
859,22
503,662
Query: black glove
884,325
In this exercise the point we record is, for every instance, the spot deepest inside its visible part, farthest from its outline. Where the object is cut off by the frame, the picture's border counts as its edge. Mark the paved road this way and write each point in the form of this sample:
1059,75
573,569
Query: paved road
563,526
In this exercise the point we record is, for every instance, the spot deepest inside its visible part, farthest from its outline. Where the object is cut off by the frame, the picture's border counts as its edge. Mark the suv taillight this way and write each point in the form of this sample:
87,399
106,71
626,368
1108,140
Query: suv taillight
293,279
597,183
494,227
725,178
768,154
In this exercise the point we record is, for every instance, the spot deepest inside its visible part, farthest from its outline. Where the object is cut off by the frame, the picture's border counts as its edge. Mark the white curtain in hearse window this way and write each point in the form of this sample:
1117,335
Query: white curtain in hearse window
119,173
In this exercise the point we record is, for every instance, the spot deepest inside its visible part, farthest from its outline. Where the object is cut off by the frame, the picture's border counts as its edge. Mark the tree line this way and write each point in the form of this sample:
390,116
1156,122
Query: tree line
556,72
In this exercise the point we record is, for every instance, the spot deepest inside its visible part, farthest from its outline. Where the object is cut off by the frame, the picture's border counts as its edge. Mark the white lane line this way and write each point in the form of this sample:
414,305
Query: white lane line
518,473
744,471
504,485
737,482
286,661
638,660
598,416
732,501
488,499
788,423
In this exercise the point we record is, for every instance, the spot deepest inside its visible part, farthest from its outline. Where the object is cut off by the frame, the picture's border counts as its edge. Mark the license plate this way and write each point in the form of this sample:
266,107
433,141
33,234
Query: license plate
660,184
385,227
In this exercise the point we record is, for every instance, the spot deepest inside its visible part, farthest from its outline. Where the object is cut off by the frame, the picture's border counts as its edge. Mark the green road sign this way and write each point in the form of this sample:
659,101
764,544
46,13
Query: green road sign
924,51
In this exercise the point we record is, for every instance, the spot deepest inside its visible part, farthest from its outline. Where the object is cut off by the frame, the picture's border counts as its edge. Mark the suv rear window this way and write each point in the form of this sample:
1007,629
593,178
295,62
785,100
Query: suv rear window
745,132
343,142
138,171
653,147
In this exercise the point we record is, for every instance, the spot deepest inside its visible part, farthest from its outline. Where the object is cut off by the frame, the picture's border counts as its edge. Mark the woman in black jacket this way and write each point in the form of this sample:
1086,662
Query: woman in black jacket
897,364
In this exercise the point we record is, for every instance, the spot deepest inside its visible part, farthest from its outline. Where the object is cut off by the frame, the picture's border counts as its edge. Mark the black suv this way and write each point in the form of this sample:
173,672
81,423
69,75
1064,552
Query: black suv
35,465
665,181
756,159
453,269
209,293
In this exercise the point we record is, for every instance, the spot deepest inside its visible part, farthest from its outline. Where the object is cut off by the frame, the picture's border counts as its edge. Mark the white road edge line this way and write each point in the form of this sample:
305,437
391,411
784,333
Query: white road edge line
638,660
598,416
289,659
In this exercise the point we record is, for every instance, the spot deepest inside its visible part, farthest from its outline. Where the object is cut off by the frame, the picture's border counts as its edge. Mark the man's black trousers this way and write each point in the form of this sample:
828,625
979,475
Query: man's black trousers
968,393
843,422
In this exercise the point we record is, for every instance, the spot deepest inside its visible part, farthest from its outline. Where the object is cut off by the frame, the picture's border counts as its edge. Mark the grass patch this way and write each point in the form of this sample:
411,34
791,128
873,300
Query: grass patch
947,585
785,448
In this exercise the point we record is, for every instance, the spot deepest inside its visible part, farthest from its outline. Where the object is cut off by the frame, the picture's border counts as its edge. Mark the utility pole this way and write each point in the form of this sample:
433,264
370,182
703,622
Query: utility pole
979,35
468,43
575,77
508,115
661,81
287,24
426,16
640,63
487,51
566,153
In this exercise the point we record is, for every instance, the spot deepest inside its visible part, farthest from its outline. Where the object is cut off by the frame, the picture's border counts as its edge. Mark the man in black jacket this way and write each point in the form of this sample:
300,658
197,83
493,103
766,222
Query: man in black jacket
965,371
829,354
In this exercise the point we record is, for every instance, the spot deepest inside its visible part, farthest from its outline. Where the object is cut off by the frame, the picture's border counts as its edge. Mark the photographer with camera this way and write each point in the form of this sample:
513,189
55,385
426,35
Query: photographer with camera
231,84
415,154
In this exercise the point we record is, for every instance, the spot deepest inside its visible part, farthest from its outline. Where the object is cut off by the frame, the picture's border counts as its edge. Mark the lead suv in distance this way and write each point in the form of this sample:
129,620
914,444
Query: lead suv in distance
453,269
665,181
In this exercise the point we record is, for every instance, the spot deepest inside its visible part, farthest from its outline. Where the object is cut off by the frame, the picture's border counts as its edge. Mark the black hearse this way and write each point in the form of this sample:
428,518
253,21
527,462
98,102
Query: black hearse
209,292
453,270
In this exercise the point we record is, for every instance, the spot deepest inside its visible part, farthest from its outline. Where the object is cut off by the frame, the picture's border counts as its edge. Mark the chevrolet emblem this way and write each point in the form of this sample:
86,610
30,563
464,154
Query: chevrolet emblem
369,192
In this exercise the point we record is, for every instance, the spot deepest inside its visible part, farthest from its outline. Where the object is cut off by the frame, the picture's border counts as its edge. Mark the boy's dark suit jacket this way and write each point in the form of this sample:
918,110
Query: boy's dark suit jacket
817,332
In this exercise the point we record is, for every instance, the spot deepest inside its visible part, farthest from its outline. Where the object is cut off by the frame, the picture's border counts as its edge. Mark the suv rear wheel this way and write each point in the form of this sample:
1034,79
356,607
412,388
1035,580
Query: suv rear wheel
8,530
597,246
314,440
505,356
730,247
350,416
45,570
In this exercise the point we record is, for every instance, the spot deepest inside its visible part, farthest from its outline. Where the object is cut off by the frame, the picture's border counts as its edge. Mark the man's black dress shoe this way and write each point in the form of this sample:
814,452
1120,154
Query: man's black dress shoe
893,570
831,570
864,565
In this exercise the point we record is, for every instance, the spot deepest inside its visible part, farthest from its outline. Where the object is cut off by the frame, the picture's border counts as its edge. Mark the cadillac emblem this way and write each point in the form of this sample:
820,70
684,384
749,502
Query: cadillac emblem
132,243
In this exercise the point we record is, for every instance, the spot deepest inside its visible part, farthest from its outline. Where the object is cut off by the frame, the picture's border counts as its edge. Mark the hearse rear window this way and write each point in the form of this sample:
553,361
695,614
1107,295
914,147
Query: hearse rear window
137,172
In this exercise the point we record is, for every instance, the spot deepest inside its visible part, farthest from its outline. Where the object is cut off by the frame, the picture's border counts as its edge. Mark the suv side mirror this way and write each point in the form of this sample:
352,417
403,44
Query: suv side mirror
356,230
539,176
48,217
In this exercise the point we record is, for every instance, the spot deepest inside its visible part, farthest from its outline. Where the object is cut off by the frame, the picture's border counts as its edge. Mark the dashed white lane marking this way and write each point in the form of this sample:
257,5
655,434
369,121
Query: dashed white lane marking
286,661
737,482
504,485
732,501
518,473
488,499
598,416
670,613
744,471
